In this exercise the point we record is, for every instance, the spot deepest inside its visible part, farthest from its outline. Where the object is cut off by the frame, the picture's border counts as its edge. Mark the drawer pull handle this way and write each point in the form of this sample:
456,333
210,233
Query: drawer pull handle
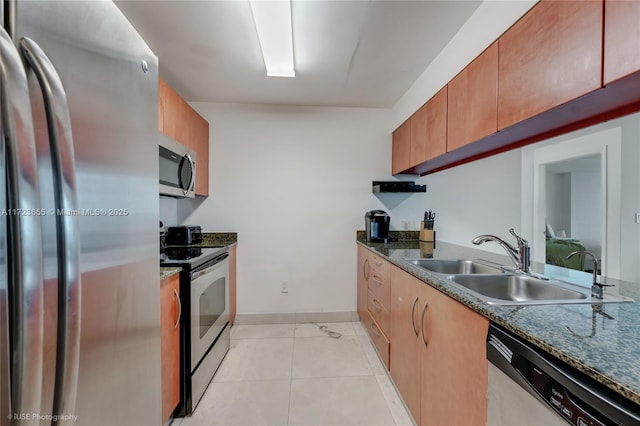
375,330
376,261
175,292
413,310
376,280
424,311
365,269
376,305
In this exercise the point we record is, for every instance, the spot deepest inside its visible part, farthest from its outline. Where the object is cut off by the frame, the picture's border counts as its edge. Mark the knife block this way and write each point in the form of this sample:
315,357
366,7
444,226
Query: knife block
428,235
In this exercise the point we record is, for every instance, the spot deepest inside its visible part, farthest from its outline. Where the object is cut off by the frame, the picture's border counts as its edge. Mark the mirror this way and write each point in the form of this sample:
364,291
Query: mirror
573,213
585,183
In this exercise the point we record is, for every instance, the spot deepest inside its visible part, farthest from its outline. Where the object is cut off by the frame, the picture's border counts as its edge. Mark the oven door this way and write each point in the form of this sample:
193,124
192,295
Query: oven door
209,308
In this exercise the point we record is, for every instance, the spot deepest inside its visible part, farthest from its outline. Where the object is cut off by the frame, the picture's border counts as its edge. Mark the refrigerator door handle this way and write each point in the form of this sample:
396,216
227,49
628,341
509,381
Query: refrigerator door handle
68,240
24,235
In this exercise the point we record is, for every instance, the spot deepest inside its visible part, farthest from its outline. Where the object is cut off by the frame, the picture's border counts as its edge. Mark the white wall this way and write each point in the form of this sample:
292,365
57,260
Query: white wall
295,182
482,197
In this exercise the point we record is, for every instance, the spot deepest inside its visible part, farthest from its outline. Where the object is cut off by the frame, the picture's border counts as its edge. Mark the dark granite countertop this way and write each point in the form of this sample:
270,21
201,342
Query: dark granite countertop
168,272
606,348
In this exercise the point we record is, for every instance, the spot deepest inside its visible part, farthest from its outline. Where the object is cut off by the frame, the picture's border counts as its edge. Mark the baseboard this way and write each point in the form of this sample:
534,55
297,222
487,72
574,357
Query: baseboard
296,318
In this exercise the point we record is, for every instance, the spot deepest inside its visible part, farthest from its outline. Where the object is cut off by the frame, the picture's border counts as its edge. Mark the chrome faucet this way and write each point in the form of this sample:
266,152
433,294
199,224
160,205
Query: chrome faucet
520,256
597,289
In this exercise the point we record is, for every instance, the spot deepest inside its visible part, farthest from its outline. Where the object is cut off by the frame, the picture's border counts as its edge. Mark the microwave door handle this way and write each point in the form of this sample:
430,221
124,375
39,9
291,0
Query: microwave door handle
24,234
68,242
185,188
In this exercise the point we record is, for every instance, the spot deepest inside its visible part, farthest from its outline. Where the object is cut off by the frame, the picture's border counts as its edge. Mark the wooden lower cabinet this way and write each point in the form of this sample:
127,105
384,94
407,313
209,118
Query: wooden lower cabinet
380,341
364,272
170,311
232,284
404,364
435,347
453,362
437,354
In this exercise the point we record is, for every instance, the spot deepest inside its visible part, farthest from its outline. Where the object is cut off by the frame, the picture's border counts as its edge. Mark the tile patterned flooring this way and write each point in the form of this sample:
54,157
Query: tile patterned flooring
295,374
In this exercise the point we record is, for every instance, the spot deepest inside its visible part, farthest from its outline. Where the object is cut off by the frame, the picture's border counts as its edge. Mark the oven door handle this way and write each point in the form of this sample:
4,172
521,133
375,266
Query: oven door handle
222,260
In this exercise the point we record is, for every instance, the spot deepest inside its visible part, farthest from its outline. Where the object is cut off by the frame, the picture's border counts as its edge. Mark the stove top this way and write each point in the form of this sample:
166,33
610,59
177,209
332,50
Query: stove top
188,257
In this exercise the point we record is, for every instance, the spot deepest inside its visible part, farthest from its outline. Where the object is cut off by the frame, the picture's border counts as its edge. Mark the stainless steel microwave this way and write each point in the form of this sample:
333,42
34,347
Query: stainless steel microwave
177,169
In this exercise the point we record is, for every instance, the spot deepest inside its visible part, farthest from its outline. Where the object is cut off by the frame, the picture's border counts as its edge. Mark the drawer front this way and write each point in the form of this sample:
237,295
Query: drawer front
379,266
379,312
380,285
379,340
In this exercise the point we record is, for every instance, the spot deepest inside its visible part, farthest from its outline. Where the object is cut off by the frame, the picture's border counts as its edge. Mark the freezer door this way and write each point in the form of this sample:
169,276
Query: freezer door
111,81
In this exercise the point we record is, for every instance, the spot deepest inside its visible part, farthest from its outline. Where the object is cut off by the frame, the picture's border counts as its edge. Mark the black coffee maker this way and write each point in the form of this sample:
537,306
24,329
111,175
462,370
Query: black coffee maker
376,224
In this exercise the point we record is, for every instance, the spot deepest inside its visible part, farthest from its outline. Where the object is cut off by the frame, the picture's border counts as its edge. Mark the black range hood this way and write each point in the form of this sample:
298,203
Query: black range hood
397,186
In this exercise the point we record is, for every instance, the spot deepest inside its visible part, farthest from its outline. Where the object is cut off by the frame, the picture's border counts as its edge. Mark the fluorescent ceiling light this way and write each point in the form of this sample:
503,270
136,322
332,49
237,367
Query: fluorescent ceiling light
273,23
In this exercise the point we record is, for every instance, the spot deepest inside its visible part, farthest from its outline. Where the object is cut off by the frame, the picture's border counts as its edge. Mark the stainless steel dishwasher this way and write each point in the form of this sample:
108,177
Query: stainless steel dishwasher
530,387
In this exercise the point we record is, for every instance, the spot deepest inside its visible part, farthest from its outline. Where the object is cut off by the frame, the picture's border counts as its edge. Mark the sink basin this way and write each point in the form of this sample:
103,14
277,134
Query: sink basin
450,267
517,288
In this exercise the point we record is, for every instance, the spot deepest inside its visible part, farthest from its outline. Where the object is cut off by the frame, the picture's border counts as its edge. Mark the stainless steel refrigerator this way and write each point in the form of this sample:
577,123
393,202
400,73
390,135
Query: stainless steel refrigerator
79,283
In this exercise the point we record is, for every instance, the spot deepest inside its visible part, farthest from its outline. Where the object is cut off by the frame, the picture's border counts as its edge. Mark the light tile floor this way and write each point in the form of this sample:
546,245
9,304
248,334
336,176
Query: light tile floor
295,374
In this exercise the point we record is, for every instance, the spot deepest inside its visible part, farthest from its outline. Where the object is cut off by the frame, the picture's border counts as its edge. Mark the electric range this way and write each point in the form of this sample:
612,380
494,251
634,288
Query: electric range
205,328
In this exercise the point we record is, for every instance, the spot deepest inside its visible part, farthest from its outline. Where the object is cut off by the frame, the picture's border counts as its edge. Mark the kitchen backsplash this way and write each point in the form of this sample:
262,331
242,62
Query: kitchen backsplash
169,211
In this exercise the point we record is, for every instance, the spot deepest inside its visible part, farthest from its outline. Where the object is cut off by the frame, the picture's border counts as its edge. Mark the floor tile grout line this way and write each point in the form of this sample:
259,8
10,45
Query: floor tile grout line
293,354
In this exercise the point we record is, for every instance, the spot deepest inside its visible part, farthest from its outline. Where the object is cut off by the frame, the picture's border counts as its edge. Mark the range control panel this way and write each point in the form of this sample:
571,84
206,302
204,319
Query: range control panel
566,405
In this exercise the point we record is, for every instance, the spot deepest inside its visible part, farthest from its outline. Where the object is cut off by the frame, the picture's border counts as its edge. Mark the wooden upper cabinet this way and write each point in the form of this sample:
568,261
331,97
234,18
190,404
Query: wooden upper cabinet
429,129
162,88
199,142
401,148
169,102
472,100
621,39
436,125
550,56
418,142
179,121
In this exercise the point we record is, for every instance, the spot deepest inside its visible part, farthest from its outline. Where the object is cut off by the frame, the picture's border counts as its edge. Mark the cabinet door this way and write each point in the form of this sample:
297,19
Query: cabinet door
162,87
418,142
401,148
621,38
364,272
454,363
436,125
472,100
404,358
199,141
232,284
170,337
550,56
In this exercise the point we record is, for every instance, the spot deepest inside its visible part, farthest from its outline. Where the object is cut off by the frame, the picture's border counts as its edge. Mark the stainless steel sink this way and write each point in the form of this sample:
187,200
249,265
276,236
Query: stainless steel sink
516,288
450,267
524,290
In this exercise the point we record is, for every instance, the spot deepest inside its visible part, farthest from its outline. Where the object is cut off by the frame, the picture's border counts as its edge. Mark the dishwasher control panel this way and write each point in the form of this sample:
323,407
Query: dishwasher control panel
556,395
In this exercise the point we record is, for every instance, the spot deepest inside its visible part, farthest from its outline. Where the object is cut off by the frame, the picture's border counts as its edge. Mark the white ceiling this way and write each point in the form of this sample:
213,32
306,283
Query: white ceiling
347,53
